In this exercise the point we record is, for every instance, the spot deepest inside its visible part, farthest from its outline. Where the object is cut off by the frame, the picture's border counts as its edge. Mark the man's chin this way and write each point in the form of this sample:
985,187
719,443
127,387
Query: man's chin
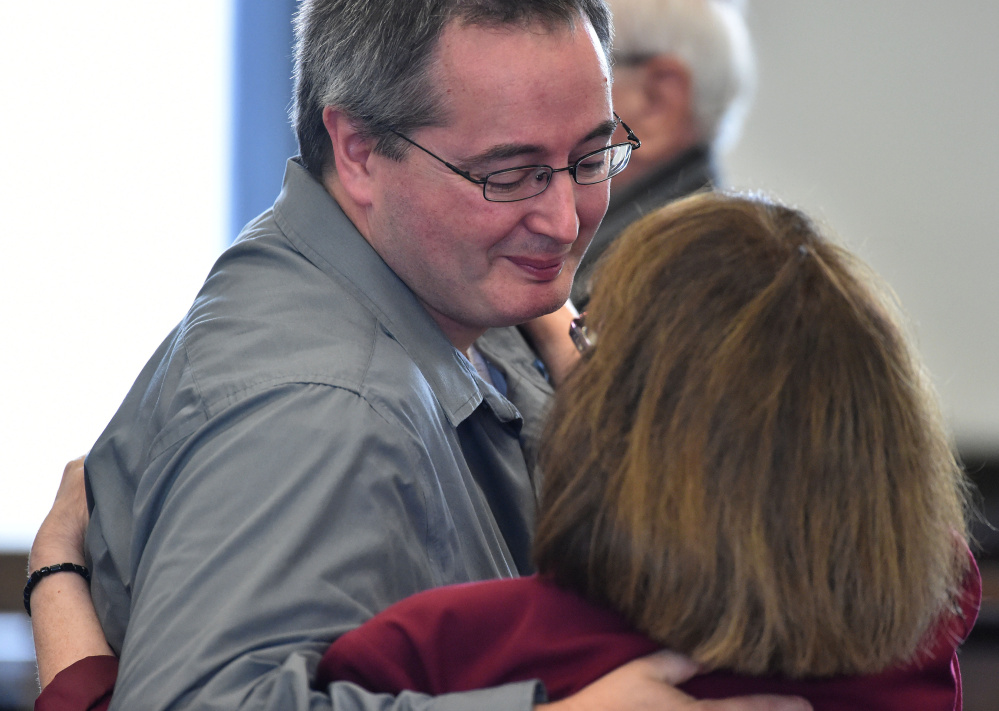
526,314
520,303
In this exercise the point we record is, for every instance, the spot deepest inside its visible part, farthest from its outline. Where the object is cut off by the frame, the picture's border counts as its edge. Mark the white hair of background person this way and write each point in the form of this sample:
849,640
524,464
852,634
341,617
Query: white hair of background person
711,38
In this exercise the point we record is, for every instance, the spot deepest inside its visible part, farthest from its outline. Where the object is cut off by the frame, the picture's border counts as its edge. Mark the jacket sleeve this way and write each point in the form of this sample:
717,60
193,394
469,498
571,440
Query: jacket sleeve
83,686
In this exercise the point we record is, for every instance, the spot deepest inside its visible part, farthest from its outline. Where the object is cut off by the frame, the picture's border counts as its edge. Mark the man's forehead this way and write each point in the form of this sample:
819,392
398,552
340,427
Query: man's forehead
502,151
461,30
538,25
560,29
517,90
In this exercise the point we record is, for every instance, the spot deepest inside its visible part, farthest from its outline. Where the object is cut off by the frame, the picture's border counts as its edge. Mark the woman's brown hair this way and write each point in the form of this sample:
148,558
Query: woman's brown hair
750,463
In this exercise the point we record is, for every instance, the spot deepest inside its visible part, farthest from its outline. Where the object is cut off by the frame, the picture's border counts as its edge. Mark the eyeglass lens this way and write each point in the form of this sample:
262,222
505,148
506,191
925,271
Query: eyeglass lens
522,183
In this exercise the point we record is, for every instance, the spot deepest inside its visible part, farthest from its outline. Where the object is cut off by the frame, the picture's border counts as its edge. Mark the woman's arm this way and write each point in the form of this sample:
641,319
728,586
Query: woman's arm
63,619
549,335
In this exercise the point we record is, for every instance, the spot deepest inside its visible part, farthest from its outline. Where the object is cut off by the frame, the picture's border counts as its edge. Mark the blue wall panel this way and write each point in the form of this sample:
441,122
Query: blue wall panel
262,136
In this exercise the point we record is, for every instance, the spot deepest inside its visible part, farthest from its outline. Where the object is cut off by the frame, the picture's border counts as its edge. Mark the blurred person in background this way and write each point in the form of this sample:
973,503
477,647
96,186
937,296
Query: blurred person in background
684,75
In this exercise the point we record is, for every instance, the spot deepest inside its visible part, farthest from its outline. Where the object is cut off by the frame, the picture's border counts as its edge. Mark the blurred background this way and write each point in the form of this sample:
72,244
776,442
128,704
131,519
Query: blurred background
137,138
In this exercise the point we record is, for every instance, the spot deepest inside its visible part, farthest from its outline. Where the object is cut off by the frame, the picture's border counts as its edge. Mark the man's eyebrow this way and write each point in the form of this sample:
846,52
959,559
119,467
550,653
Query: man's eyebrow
501,152
513,150
604,130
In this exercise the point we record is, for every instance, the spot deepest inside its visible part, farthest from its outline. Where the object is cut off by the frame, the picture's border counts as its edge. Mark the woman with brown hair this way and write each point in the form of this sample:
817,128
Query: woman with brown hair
751,465
748,466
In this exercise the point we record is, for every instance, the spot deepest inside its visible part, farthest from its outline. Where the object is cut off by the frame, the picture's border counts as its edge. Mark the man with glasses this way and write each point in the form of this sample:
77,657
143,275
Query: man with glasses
312,443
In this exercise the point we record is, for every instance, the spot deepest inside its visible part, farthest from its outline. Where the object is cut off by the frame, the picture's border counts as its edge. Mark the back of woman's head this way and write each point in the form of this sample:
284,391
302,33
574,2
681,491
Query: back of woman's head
750,463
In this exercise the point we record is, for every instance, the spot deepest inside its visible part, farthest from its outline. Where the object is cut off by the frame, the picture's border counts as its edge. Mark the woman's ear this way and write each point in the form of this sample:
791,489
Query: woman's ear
352,152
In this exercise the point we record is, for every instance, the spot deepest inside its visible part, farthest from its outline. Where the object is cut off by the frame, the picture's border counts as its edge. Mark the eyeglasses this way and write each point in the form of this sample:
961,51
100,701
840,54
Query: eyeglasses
527,181
580,334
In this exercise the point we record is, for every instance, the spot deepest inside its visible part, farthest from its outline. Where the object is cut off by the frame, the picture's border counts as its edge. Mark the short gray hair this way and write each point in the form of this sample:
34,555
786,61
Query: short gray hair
374,60
711,38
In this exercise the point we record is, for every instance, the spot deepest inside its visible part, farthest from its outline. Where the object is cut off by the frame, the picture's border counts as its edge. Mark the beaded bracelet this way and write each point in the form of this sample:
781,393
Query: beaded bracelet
48,570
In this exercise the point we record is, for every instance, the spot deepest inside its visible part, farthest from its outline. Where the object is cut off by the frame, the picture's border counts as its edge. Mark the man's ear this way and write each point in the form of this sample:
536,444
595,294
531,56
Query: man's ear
668,90
666,83
352,152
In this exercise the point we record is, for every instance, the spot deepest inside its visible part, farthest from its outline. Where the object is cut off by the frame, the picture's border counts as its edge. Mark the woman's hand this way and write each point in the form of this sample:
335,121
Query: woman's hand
63,619
60,537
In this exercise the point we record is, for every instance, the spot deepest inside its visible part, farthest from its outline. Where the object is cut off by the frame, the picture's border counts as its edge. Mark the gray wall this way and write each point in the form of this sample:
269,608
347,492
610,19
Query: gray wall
882,118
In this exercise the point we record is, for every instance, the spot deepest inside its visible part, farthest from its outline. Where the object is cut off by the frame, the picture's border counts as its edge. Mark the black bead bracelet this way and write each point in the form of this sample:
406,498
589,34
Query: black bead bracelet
48,570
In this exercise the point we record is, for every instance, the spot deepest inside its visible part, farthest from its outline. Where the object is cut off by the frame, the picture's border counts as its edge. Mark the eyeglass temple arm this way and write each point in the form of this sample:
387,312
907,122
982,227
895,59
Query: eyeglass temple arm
463,173
632,138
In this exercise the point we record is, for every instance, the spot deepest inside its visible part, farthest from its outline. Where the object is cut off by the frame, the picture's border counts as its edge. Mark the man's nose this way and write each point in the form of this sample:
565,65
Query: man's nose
553,212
